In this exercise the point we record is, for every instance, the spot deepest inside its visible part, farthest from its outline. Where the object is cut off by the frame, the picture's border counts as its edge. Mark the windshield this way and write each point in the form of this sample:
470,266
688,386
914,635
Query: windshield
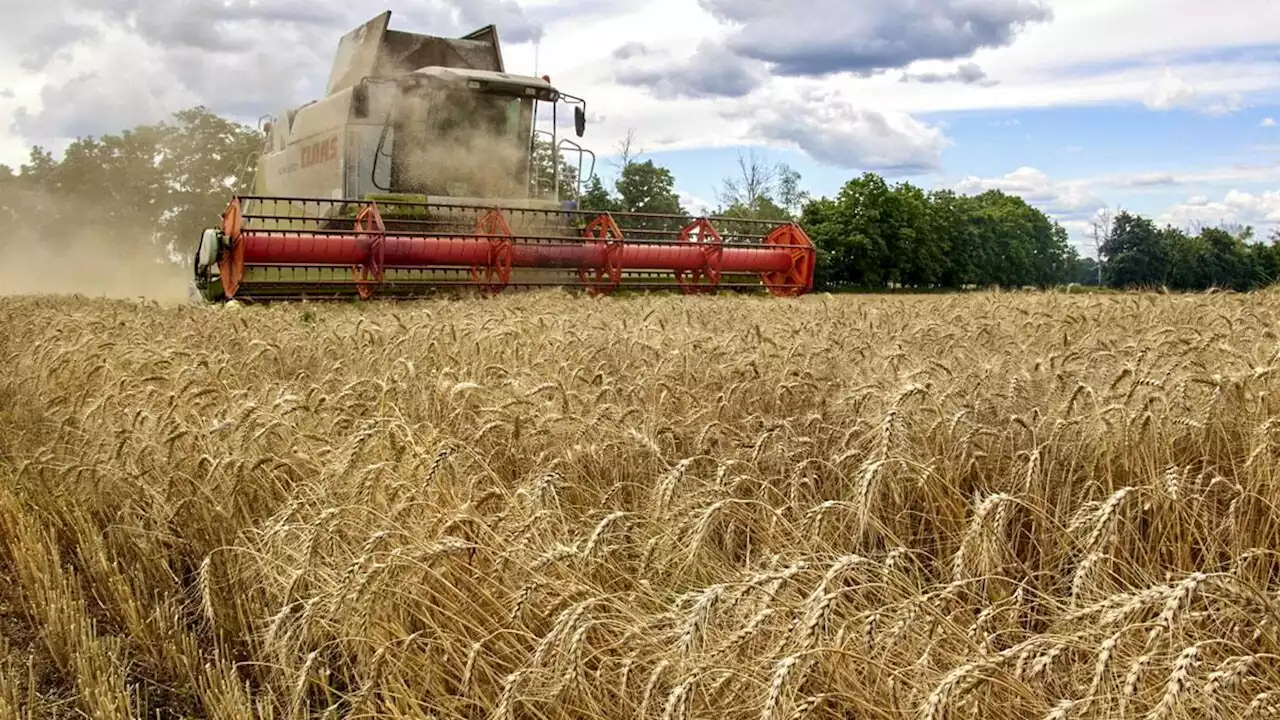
476,113
464,143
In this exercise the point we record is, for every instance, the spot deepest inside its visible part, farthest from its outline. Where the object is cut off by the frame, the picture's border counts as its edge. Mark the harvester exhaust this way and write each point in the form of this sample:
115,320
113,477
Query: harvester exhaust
278,248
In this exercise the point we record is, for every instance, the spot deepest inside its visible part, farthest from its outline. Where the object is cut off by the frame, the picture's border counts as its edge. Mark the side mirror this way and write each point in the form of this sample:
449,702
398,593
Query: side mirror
579,120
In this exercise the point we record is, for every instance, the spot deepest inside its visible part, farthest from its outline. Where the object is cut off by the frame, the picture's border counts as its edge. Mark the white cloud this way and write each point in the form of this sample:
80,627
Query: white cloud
835,130
1163,181
88,68
1085,193
1151,179
1072,203
1260,210
819,38
1170,92
711,71
694,204
1219,175
1064,200
966,73
91,101
1267,123
1086,32
1226,105
1088,53
1220,87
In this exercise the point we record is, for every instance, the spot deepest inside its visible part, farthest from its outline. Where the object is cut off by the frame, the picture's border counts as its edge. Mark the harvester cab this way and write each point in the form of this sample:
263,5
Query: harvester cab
407,115
423,166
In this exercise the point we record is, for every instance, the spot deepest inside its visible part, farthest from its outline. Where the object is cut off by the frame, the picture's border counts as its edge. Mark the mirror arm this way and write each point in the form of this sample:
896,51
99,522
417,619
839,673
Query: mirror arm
580,111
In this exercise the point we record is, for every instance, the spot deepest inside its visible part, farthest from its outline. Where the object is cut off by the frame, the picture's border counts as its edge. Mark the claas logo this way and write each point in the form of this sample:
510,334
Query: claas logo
320,152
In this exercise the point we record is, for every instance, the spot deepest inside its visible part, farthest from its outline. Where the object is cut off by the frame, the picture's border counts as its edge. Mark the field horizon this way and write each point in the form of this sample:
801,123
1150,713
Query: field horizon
537,506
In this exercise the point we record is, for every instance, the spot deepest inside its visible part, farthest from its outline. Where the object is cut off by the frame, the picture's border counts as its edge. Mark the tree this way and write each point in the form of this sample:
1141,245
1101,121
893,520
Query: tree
828,225
790,196
916,254
1085,271
641,187
627,151
874,235
1225,258
970,252
147,190
203,160
1188,254
648,188
597,198
1099,231
761,191
1264,261
542,168
849,235
1137,255
754,183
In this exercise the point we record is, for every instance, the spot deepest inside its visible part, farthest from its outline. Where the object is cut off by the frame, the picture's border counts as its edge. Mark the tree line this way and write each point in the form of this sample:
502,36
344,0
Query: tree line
159,185
150,188
1139,254
875,236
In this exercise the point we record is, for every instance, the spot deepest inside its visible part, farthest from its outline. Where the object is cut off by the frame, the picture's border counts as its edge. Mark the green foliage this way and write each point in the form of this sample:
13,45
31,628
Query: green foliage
648,188
873,235
543,177
641,187
1137,254
1085,271
597,198
151,188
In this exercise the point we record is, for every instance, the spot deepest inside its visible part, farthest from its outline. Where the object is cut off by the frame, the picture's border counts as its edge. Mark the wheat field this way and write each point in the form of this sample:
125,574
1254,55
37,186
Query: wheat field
544,507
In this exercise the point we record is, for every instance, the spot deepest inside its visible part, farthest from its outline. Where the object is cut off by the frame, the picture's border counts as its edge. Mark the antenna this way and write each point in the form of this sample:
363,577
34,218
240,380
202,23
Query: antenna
537,48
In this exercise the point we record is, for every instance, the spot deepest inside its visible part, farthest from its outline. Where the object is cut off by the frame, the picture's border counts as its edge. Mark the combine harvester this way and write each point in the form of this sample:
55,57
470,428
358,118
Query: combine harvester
420,170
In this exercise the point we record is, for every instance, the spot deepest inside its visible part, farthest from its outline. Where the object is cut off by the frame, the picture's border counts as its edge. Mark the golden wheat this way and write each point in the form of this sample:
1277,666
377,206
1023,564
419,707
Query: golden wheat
539,507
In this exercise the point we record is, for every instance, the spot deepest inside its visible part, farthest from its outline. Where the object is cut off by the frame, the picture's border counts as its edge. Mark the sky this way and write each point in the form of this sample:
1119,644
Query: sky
1169,108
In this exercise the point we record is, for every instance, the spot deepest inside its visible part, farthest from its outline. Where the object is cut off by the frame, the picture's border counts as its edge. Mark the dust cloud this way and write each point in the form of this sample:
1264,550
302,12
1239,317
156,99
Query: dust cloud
91,261
90,268
482,155
480,151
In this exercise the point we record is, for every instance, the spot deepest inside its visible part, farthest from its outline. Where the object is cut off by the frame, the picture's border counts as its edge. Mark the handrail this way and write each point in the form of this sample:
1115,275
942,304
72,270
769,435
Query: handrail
581,153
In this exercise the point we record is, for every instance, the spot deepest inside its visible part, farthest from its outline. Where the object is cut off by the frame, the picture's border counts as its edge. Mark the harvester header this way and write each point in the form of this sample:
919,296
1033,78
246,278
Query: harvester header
423,167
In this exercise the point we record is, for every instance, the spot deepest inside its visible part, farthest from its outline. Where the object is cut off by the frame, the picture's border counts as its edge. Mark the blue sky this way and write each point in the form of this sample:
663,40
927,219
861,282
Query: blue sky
1100,146
1165,107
